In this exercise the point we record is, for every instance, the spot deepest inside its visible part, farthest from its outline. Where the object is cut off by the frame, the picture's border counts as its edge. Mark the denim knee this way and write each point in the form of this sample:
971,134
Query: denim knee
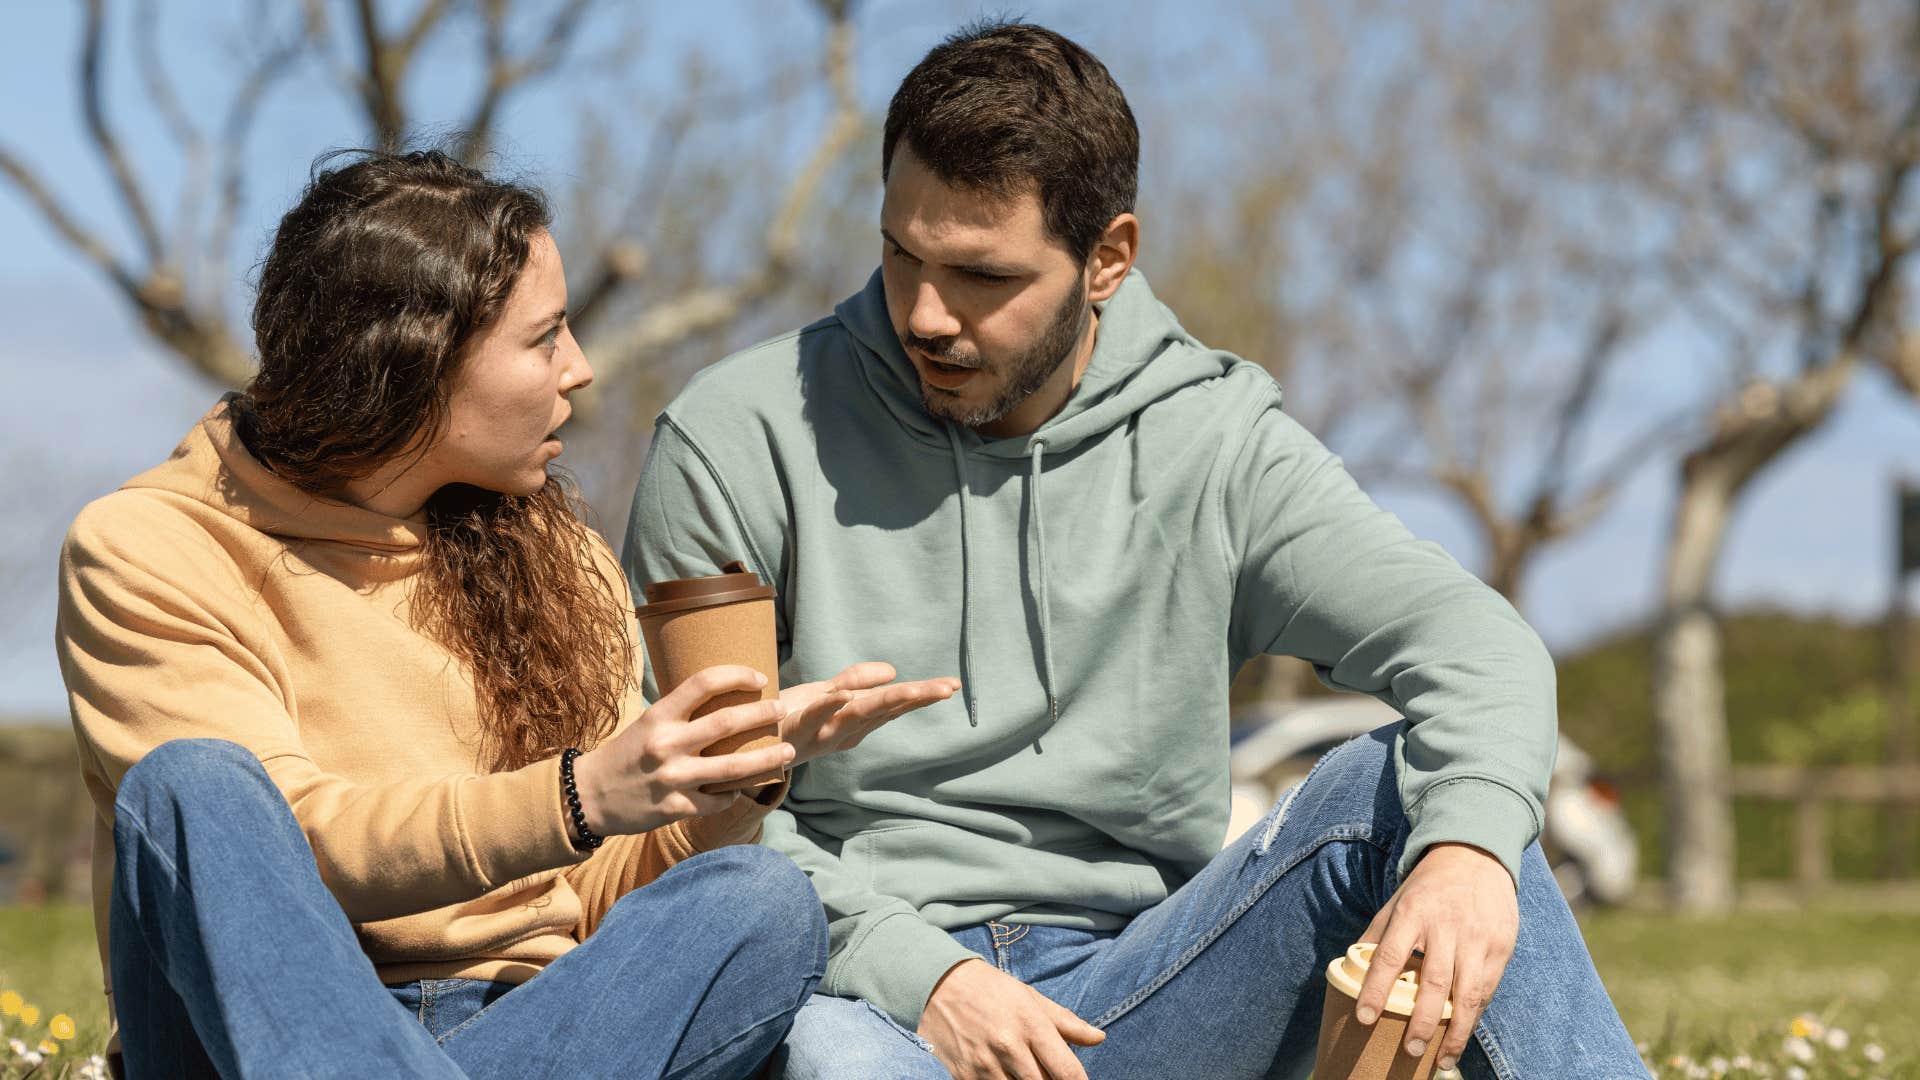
1352,790
766,900
182,769
776,898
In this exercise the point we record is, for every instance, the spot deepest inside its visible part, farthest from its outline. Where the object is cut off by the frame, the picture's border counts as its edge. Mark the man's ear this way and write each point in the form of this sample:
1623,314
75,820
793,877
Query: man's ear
1113,256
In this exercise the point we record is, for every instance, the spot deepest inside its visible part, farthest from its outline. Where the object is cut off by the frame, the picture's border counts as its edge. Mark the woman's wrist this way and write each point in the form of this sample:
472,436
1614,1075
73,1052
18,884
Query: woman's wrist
579,796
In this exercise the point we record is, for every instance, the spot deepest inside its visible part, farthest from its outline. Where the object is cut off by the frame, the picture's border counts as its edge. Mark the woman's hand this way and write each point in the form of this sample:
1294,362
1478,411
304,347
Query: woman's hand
823,717
651,774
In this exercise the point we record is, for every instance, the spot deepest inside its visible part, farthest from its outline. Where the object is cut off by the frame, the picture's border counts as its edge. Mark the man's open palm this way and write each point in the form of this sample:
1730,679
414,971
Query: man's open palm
835,714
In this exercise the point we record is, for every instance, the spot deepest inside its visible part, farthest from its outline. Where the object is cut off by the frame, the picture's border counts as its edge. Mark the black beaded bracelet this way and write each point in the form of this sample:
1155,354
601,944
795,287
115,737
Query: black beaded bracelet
587,839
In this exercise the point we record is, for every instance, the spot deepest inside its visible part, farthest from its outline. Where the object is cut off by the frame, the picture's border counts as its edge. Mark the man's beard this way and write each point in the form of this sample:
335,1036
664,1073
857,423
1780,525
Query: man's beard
1025,373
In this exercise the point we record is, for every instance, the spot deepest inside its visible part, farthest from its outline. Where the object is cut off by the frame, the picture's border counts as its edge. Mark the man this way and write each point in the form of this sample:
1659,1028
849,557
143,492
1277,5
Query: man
1005,460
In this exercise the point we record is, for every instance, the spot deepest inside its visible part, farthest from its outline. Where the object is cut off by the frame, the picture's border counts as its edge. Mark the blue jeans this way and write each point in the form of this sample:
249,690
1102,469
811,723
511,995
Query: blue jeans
231,958
1226,977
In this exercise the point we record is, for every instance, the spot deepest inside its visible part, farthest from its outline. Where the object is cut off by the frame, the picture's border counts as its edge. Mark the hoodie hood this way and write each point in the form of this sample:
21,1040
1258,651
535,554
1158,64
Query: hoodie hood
213,467
1140,355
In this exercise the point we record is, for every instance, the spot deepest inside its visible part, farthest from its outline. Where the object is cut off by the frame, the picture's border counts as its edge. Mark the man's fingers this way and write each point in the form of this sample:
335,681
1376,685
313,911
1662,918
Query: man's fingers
1069,1024
864,675
1389,960
1056,1059
1436,981
1472,991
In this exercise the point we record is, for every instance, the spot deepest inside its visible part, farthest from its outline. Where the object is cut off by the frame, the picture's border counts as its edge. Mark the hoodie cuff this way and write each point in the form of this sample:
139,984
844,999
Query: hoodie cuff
1483,813
739,823
895,965
515,823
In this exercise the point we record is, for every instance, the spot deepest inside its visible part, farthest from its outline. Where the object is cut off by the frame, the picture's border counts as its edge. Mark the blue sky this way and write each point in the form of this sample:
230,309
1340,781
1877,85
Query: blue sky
86,401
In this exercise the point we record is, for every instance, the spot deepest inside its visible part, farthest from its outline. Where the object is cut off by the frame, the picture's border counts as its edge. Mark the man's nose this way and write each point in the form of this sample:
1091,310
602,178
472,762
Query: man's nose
930,317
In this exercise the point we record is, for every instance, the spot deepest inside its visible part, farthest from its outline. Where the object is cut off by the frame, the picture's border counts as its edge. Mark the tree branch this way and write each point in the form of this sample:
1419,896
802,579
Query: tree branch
104,141
505,73
702,310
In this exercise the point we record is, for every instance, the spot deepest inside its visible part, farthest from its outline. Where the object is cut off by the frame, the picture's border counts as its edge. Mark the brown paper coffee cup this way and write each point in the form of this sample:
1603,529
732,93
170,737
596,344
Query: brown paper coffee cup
694,623
1350,1050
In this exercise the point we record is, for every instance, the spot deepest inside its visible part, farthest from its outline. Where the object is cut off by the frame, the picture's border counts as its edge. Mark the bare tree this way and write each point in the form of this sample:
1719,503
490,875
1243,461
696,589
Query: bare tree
1772,146
176,274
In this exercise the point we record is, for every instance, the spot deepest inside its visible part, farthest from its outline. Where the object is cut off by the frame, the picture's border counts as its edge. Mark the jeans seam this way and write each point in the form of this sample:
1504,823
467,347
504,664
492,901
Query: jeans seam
1362,833
468,1022
806,991
1502,1068
426,1006
139,826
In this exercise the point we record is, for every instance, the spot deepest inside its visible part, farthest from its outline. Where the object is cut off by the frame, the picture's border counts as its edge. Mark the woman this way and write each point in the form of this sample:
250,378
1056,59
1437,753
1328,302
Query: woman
354,687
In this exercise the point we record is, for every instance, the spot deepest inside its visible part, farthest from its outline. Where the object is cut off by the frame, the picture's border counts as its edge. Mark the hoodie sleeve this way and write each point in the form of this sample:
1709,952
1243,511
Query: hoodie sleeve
1325,575
158,640
685,522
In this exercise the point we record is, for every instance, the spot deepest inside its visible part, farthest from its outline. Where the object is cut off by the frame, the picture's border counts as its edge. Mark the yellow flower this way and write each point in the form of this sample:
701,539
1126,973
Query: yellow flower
48,1046
30,1015
1805,1027
61,1025
10,1003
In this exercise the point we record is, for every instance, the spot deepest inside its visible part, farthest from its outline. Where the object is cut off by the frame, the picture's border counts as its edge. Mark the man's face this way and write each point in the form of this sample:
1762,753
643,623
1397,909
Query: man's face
986,304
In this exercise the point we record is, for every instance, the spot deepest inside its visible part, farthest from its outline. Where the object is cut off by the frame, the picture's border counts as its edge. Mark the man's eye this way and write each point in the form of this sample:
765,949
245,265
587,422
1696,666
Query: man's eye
900,252
550,339
989,279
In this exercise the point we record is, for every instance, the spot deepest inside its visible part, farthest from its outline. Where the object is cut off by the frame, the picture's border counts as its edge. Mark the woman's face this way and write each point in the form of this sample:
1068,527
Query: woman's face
510,393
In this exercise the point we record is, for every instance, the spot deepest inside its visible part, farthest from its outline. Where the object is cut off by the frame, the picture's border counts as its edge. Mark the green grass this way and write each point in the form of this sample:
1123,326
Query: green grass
1724,988
1695,988
48,957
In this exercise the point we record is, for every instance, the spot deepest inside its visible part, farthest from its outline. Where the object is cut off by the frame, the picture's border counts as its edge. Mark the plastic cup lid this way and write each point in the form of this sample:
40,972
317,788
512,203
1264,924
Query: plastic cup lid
737,583
1347,973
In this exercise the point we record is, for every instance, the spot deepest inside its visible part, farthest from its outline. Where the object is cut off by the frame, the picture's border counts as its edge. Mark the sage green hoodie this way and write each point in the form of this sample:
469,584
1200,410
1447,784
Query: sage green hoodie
1095,585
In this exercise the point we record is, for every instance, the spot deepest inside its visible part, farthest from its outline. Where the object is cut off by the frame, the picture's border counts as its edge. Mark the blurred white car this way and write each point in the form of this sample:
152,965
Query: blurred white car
1587,839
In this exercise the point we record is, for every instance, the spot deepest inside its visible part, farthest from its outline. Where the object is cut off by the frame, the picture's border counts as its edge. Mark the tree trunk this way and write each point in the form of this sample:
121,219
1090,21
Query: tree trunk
1689,702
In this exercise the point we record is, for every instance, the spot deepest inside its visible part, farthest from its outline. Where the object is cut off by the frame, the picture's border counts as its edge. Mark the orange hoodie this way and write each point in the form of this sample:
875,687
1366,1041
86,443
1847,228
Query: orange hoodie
208,598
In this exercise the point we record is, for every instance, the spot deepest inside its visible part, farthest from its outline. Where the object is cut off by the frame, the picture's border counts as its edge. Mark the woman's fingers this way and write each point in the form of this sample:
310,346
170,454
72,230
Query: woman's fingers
724,768
706,684
733,720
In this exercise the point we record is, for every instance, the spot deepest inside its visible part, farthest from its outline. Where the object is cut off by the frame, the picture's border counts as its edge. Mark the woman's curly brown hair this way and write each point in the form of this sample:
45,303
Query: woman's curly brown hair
377,282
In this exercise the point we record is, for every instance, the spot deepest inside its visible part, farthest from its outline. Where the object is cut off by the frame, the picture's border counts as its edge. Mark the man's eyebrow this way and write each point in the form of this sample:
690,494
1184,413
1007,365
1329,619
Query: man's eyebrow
984,269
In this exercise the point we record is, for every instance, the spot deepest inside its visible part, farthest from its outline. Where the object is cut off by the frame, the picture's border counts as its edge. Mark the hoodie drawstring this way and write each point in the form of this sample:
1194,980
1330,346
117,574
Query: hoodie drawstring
966,582
1040,555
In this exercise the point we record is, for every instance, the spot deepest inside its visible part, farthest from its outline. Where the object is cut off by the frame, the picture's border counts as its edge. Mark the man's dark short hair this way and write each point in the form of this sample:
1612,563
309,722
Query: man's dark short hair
1008,107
